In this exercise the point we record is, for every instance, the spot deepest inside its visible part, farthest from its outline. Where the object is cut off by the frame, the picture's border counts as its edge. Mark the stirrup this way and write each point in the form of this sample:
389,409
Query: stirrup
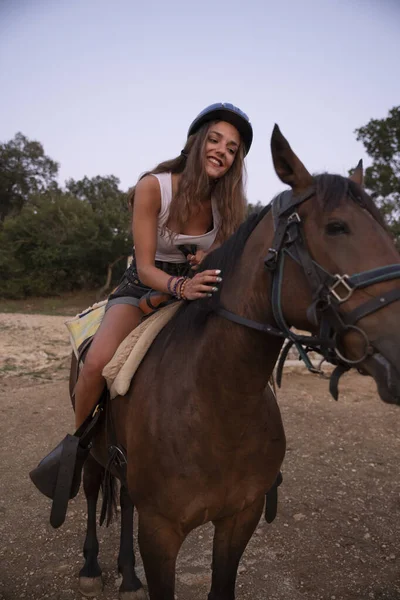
64,463
58,475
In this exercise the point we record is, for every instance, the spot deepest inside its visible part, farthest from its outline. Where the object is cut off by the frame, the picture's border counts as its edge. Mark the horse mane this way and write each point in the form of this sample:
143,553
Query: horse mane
330,192
192,315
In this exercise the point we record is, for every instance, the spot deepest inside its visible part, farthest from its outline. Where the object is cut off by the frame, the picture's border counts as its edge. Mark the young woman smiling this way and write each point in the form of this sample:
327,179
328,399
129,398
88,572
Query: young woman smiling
194,200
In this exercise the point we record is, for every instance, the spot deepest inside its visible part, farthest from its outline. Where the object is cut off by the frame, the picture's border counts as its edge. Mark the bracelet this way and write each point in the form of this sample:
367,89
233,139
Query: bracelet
176,286
182,289
179,288
170,280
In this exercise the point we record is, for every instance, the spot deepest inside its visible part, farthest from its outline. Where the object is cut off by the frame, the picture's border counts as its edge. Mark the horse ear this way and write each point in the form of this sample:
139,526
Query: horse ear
288,167
358,174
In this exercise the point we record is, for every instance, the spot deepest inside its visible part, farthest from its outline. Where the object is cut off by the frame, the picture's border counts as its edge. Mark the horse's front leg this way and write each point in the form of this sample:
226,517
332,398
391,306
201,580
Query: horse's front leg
159,542
90,581
230,540
131,587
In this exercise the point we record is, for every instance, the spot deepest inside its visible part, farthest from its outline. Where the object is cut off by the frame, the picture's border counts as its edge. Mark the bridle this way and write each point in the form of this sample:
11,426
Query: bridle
329,292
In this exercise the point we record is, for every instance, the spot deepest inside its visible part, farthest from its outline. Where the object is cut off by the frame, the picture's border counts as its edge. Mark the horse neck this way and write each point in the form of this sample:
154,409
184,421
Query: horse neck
245,357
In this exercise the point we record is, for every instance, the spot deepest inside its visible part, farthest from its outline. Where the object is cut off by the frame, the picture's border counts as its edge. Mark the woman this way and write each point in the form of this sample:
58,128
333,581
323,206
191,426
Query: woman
196,199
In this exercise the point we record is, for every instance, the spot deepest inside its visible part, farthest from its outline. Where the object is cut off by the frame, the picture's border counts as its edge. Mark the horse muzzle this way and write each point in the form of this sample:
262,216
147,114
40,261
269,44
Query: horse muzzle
384,367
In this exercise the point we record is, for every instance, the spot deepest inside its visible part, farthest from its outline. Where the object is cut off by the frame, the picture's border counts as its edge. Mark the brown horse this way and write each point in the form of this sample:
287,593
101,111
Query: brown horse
202,430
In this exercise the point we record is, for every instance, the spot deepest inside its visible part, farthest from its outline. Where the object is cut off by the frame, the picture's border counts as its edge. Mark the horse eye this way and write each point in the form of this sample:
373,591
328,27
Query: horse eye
336,228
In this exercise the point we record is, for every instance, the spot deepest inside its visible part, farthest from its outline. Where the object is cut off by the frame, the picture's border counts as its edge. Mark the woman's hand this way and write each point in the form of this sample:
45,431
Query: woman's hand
195,259
202,285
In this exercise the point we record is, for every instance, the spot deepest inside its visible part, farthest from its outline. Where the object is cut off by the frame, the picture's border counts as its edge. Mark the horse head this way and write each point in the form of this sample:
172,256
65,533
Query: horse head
339,269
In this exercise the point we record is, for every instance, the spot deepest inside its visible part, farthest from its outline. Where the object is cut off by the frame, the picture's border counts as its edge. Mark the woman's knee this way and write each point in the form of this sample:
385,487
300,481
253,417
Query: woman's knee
96,359
118,322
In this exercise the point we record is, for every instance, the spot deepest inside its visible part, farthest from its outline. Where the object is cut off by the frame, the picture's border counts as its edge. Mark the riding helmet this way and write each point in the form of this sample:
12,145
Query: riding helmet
224,111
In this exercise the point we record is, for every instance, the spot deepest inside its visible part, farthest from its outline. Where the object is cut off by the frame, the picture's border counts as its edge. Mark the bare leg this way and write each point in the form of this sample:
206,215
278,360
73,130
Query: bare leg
230,540
159,543
117,323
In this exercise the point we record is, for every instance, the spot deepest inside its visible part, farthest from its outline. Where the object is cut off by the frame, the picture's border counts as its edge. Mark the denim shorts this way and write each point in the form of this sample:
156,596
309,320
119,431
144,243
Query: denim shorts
130,289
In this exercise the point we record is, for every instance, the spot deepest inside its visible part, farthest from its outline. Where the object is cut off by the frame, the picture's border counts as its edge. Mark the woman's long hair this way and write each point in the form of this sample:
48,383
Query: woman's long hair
194,186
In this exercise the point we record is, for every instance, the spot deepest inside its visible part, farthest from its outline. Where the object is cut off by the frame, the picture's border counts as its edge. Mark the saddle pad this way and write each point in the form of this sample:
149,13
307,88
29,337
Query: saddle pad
85,325
119,371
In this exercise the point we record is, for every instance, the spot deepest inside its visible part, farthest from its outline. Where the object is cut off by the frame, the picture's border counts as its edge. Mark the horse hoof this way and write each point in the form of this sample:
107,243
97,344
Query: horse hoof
140,594
90,586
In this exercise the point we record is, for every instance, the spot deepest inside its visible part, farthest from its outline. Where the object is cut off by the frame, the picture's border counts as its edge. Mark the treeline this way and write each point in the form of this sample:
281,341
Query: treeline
55,239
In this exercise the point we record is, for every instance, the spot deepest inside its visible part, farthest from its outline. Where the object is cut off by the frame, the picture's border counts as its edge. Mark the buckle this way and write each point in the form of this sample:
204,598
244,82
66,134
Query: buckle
96,410
271,259
294,218
118,455
341,280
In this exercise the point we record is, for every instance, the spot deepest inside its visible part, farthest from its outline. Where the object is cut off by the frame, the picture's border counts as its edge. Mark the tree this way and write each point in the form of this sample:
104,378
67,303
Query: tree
381,140
252,208
25,170
49,248
53,240
111,213
59,242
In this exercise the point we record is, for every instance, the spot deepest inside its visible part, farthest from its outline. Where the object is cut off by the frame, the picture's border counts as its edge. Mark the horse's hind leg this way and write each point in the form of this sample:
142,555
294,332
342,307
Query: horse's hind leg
159,543
90,581
230,540
131,587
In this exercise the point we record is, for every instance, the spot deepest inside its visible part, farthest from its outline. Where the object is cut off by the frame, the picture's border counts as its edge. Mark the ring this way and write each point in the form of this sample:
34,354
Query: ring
367,347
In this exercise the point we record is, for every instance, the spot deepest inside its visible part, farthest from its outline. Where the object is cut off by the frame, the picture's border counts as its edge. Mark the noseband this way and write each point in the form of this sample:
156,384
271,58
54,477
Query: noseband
328,291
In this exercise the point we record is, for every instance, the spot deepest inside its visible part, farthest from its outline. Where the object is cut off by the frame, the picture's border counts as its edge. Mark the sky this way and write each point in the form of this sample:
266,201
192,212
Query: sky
110,88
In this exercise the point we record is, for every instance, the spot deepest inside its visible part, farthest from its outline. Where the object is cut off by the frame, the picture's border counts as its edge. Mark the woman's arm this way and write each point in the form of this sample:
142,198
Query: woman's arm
146,208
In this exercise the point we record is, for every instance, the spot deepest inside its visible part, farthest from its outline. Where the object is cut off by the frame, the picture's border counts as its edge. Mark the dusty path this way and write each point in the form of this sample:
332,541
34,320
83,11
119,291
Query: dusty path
337,532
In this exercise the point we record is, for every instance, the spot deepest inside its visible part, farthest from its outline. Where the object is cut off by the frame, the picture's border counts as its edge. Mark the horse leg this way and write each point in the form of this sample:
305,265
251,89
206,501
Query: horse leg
159,543
230,540
131,587
90,581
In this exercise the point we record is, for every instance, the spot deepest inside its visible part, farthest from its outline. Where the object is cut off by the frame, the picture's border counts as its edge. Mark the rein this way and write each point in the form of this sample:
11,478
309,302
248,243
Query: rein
329,292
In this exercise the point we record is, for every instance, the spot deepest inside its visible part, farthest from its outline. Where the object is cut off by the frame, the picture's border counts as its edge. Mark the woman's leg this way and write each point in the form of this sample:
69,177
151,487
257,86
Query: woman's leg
118,322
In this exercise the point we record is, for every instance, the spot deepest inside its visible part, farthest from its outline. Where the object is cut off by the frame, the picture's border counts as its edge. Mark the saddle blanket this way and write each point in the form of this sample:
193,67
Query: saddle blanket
85,325
119,371
125,362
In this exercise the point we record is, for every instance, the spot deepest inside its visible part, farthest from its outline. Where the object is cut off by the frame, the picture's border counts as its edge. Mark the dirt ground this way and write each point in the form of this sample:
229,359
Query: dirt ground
336,536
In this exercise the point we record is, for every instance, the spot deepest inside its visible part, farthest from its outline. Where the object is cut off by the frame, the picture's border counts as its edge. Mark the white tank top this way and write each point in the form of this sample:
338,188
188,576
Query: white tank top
166,246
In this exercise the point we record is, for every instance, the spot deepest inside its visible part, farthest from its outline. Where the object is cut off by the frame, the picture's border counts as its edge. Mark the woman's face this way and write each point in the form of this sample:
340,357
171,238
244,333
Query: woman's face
222,145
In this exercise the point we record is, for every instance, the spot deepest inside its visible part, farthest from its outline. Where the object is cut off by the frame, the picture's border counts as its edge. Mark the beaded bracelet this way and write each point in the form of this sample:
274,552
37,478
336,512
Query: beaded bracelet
170,280
176,286
182,289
